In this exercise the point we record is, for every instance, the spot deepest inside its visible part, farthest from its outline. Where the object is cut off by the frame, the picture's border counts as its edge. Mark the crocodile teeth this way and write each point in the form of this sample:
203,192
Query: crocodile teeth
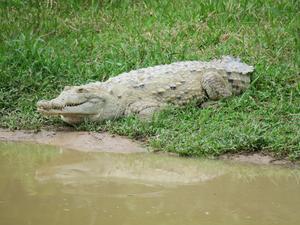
72,104
56,106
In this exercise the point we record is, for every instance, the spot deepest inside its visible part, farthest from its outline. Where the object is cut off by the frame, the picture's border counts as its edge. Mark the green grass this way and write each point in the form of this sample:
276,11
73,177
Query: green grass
44,47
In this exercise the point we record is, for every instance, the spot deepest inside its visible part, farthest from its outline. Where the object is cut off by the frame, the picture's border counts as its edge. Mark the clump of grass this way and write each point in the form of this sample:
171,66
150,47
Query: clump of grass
45,47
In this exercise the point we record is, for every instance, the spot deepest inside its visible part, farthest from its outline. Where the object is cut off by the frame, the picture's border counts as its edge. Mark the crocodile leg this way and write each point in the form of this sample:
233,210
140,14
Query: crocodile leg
144,109
215,85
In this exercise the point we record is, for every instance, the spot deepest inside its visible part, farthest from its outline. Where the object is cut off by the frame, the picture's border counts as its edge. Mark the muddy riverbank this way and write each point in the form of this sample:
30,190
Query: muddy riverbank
104,142
77,140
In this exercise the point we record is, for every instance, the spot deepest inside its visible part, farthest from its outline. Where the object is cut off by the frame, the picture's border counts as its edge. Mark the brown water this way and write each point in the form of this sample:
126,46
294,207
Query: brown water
43,185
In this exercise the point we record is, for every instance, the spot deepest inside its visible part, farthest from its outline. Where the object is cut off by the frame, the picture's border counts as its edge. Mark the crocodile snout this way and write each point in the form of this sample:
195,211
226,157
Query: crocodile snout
43,104
46,105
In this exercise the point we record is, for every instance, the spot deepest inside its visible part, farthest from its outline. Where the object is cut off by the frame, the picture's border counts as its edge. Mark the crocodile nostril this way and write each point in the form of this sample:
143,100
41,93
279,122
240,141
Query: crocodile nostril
66,88
42,103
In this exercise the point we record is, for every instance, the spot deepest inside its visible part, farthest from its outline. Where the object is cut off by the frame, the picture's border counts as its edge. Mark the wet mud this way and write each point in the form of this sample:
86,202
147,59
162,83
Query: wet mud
76,140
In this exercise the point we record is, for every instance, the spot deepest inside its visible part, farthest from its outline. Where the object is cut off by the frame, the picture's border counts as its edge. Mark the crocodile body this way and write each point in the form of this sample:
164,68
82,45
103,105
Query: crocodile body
148,90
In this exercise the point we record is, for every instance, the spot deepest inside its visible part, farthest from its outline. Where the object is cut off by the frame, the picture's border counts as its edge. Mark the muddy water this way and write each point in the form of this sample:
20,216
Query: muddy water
47,185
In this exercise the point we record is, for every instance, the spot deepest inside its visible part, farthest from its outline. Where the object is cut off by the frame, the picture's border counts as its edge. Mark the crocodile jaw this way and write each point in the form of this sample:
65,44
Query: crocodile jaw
70,113
56,108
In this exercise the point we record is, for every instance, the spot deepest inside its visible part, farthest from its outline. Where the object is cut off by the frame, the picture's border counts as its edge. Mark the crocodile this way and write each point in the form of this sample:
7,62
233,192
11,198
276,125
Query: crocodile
148,90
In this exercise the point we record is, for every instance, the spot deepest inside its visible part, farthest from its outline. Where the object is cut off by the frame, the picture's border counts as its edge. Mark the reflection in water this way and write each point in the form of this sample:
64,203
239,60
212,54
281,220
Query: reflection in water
43,185
138,168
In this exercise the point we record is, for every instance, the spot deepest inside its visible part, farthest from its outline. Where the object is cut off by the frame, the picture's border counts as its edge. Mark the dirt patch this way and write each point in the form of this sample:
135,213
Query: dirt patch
77,140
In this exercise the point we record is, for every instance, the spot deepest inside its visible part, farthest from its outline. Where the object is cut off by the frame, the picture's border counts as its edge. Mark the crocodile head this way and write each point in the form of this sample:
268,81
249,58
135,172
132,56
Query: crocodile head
78,103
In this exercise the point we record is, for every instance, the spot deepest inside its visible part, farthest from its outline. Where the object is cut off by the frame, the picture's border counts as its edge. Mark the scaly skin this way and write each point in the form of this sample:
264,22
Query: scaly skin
145,91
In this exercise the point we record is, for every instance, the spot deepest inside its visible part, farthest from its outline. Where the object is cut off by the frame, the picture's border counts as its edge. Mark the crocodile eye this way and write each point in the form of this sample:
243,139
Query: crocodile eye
82,90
